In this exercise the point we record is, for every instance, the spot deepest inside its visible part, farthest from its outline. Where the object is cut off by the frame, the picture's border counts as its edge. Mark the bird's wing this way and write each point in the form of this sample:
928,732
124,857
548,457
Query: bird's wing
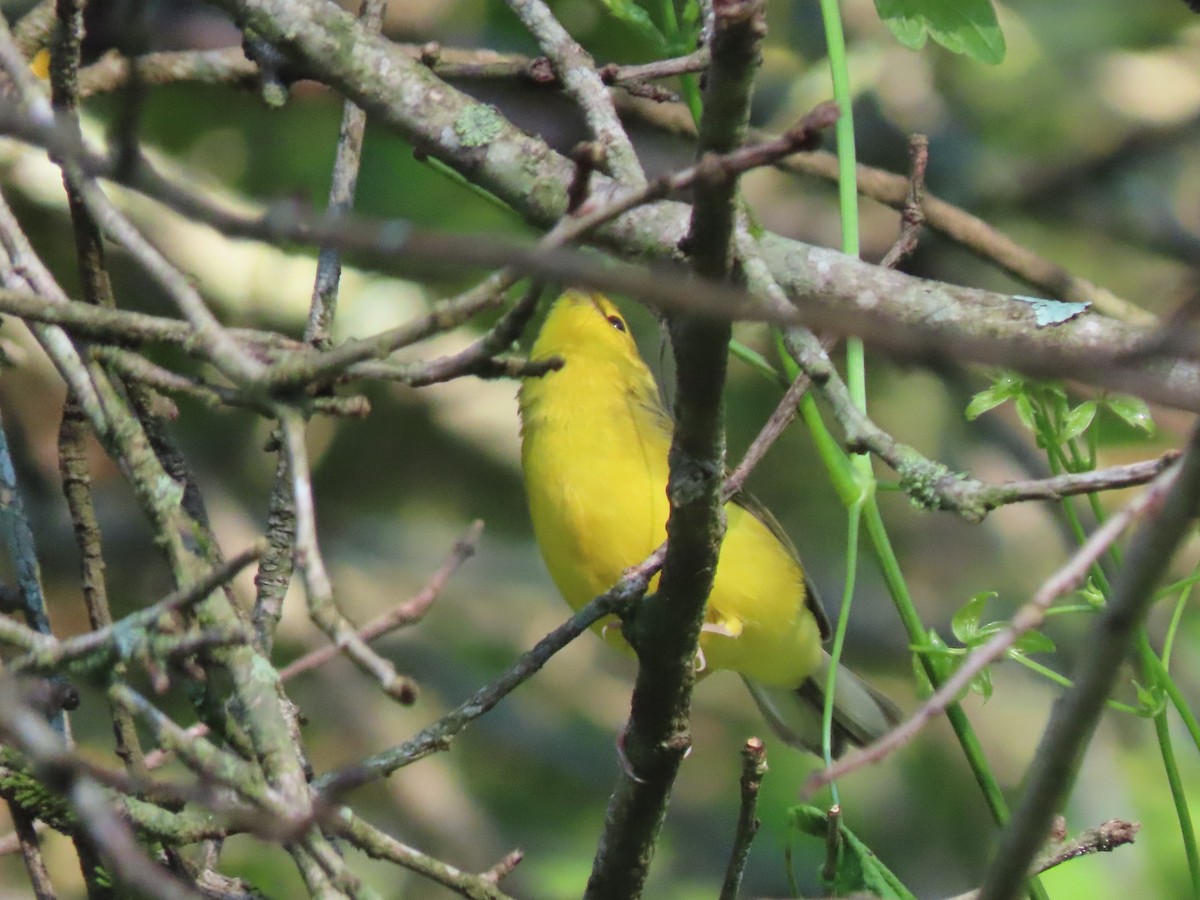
812,599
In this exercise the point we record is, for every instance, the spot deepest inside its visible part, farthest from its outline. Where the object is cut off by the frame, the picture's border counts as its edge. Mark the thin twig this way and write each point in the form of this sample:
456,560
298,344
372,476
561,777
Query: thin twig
912,215
1103,838
717,166
26,730
657,736
781,417
931,484
1028,617
577,72
407,613
503,866
378,845
1075,716
77,490
659,68
754,767
117,639
31,853
1072,484
66,50
323,308
446,368
439,735
315,368
322,607
480,358
276,568
976,235
230,66
833,843
125,326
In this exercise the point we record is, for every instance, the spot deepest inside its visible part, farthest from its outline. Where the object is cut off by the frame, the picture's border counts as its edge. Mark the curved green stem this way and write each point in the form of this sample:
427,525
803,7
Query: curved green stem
839,640
689,84
1065,682
1157,671
1153,669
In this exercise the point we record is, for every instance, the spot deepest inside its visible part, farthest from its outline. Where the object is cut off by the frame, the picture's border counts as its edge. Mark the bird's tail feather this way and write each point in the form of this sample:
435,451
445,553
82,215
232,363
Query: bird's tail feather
860,713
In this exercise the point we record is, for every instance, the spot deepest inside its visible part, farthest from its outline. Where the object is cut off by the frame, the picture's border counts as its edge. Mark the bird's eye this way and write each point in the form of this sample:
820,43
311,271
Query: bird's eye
617,322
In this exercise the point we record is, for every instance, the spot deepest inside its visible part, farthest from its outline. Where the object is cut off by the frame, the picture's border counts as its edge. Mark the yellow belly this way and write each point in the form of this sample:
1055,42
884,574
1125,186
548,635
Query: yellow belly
592,526
595,465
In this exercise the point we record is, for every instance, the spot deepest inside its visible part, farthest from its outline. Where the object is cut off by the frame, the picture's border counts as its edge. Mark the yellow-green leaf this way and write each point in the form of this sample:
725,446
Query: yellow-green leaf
961,26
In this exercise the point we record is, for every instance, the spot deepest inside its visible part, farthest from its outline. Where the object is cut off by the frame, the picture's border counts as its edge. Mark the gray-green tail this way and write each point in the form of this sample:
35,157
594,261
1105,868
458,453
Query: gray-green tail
860,713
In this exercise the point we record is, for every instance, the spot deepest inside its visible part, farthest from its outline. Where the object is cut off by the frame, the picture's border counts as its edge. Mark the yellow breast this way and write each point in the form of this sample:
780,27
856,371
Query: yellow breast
594,451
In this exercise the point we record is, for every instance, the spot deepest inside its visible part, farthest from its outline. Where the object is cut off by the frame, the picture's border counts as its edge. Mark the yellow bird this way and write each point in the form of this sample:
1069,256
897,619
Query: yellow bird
594,443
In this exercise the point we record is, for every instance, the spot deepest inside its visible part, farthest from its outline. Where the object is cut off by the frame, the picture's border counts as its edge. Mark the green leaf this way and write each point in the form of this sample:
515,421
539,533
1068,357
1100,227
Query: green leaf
989,398
691,17
965,623
1133,410
934,646
1150,700
986,632
982,684
1033,642
1076,421
631,14
940,659
859,870
1005,386
1092,595
1024,407
961,26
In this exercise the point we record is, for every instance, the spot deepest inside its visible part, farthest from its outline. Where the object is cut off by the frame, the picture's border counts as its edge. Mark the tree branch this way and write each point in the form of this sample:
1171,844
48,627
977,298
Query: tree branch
754,767
577,72
666,629
1077,712
1028,617
439,735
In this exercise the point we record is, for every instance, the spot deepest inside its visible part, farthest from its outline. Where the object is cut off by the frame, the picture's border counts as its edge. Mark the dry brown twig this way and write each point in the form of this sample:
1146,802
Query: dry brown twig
1103,838
231,66
406,614
912,214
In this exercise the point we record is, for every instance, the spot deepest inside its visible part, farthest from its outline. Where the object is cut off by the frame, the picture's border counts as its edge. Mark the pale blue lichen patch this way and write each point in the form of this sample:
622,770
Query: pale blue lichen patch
478,125
1052,312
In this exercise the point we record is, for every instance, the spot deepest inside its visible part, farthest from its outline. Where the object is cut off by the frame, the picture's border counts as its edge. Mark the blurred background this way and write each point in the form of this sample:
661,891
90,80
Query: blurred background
1082,145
